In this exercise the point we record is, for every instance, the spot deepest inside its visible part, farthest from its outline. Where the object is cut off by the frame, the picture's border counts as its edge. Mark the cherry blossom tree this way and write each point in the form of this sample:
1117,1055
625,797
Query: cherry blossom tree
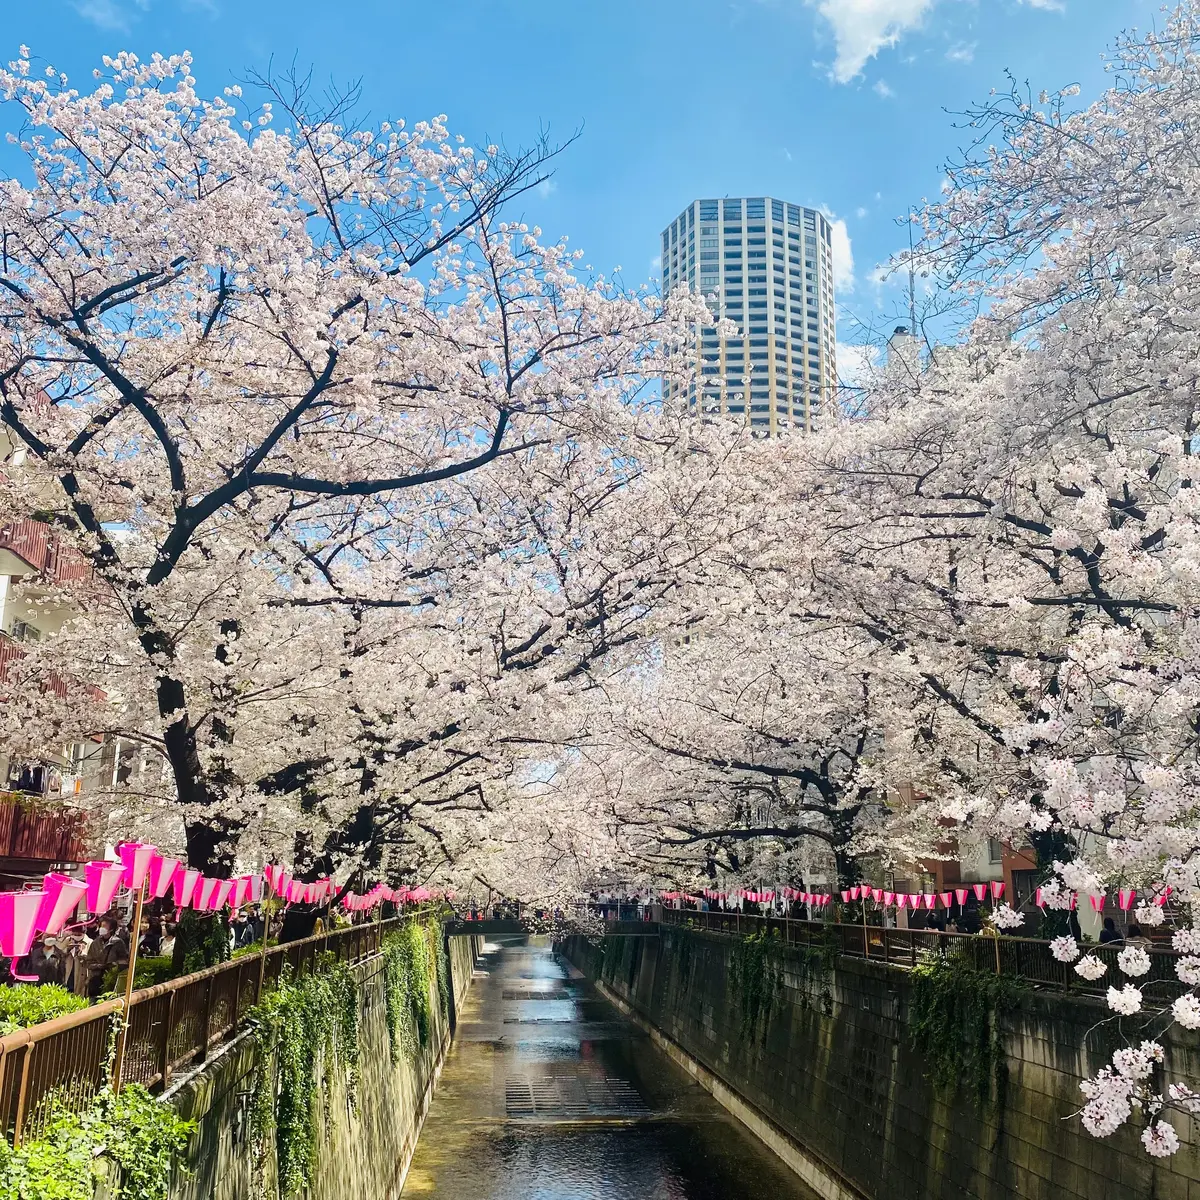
265,338
1015,521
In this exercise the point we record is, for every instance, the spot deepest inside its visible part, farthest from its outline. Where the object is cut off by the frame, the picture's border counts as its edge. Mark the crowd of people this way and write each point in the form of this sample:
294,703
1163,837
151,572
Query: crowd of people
82,958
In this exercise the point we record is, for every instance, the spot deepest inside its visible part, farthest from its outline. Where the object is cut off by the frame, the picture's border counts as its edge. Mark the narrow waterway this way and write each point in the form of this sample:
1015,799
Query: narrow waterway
548,1093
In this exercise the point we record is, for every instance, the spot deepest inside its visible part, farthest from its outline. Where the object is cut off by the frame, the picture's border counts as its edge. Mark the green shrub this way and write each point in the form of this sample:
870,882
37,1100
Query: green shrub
135,1131
150,970
27,1004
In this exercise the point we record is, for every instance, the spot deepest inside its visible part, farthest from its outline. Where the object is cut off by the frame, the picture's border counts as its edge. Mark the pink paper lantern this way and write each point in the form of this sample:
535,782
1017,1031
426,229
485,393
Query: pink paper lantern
901,900
980,890
202,898
220,895
18,927
1125,898
928,897
241,891
877,895
184,885
960,894
136,858
997,889
62,896
1038,900
889,898
1097,903
946,898
161,875
103,879
914,902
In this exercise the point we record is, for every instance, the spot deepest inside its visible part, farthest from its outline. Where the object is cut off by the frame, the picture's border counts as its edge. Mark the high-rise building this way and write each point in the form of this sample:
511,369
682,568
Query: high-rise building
767,266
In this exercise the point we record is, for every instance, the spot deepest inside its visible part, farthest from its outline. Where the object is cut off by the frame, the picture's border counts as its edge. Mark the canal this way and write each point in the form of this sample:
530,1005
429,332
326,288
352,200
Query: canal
548,1093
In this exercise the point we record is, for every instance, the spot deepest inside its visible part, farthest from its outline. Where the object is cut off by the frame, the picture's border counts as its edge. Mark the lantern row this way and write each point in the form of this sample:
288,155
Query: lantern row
916,900
25,914
982,891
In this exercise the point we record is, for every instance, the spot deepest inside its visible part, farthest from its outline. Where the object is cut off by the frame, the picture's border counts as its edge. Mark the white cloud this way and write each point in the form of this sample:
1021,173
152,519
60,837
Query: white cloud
961,52
105,14
843,256
861,212
855,362
546,187
861,28
881,89
117,15
1056,5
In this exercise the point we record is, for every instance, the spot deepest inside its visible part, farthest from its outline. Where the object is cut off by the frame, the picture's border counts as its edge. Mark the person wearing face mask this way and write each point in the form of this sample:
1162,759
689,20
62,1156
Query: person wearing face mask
108,949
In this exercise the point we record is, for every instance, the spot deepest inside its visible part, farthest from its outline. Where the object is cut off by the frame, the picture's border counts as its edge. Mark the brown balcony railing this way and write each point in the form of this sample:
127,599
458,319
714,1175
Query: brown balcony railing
1029,958
54,683
173,1025
42,830
36,544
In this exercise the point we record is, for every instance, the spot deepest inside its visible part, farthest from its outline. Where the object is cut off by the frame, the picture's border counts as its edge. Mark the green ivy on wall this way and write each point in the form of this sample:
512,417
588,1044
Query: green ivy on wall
442,958
755,975
955,1017
307,1031
138,1133
813,966
408,960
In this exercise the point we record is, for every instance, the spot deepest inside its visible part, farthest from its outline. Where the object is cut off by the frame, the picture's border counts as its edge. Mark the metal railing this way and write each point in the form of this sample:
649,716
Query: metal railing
1028,958
65,1062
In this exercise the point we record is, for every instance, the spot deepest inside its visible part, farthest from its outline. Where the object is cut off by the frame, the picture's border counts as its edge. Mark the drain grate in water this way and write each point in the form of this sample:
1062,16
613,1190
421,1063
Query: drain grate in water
518,1098
532,994
572,1096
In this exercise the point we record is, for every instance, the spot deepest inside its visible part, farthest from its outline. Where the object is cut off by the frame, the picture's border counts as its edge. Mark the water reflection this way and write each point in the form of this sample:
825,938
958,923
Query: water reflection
549,1094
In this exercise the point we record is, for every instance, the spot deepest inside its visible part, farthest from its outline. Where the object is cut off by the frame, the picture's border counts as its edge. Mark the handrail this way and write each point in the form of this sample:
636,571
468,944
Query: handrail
64,1062
44,1029
1028,958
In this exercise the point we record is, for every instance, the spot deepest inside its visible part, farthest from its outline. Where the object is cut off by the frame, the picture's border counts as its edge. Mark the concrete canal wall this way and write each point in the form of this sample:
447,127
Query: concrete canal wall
824,1071
368,1144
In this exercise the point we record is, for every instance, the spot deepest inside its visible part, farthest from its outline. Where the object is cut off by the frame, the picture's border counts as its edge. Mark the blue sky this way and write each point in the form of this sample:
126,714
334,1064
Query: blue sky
834,103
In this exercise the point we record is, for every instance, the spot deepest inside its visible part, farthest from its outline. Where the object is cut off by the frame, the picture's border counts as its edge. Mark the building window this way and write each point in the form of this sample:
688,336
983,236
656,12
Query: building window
995,851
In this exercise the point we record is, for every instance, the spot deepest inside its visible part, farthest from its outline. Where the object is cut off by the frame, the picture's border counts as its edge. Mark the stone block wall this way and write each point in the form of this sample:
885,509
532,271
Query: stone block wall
369,1143
829,1064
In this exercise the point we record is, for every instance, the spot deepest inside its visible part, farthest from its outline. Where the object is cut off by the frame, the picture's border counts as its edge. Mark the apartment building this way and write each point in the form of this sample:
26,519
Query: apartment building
767,266
43,819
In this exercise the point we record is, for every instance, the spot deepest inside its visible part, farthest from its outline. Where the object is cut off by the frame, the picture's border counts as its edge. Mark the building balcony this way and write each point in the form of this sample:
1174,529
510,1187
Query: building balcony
30,546
38,832
11,652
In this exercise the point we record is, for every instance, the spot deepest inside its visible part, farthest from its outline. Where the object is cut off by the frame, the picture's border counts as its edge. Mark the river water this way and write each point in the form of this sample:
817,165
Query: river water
548,1093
